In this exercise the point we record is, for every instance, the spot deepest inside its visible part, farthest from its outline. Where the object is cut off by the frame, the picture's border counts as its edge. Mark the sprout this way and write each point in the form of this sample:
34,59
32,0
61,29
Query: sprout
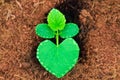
57,58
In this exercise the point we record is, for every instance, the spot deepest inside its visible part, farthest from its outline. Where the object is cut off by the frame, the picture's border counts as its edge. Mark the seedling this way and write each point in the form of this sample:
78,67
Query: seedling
57,58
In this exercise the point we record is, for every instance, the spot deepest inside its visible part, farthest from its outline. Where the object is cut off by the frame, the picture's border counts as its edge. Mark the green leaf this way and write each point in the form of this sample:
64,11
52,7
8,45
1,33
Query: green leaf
58,60
44,31
56,20
70,30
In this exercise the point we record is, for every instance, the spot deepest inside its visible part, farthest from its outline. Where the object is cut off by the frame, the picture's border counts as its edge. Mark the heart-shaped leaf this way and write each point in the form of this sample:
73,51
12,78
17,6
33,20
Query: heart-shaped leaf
58,60
70,30
44,31
56,20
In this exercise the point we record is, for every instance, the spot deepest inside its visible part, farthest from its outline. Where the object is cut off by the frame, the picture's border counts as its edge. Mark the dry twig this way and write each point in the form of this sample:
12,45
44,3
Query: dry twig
36,5
18,3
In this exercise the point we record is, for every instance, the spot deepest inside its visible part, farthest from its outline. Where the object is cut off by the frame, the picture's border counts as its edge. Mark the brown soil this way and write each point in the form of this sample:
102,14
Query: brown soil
99,38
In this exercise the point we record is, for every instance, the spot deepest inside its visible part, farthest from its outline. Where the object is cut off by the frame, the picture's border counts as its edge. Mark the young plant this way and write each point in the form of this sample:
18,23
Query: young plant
57,58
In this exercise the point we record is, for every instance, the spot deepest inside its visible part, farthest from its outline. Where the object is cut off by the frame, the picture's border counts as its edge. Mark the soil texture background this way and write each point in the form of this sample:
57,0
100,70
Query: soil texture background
99,38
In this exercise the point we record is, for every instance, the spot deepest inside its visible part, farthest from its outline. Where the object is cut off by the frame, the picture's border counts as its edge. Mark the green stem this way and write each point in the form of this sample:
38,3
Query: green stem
57,38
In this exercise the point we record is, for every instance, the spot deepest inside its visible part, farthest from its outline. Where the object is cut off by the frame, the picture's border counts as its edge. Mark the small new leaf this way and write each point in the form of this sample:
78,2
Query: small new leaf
44,31
70,30
56,20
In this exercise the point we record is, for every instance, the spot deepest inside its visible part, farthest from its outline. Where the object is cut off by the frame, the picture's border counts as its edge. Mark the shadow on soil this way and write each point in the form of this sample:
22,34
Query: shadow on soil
71,9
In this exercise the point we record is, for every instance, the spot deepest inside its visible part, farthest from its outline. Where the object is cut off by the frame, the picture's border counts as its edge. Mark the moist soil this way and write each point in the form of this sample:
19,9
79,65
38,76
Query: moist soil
98,39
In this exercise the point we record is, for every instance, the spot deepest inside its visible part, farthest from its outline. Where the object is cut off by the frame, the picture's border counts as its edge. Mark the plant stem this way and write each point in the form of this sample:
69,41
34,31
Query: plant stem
57,38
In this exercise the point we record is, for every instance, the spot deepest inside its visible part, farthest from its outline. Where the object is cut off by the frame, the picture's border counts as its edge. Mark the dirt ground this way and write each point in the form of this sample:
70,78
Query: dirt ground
99,38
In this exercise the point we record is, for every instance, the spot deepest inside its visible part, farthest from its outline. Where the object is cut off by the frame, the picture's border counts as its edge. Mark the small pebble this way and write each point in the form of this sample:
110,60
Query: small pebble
24,65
